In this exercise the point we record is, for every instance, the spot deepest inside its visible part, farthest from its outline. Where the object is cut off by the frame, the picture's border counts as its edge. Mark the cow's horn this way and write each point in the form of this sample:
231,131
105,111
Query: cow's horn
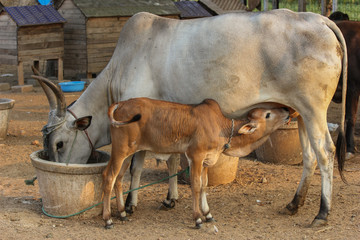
54,94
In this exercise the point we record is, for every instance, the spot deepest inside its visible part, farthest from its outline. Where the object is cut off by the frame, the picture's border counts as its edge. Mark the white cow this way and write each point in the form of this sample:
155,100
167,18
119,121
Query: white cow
242,60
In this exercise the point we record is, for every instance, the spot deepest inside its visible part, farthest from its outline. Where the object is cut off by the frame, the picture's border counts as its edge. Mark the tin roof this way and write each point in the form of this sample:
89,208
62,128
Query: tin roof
224,6
190,9
111,8
34,15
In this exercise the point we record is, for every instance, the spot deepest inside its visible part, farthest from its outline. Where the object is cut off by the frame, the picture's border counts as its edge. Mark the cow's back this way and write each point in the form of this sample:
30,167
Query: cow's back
238,59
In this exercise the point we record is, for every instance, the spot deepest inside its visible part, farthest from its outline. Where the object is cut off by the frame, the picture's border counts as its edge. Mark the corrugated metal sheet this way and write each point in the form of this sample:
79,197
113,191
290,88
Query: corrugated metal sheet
224,6
34,15
190,9
112,8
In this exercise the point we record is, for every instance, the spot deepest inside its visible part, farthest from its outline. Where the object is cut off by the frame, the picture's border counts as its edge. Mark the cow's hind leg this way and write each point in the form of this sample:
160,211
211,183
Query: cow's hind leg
324,149
136,167
172,163
352,99
326,157
309,165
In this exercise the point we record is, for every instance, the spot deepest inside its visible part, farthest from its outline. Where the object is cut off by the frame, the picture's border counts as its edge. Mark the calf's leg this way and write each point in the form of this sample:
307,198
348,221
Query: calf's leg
196,186
119,189
109,177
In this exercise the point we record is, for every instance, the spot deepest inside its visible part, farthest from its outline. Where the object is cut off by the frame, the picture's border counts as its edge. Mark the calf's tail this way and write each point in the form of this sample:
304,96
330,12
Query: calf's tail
116,123
341,140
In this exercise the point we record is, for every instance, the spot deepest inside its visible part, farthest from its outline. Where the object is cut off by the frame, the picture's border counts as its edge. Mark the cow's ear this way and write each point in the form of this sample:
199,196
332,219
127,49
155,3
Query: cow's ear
82,123
248,128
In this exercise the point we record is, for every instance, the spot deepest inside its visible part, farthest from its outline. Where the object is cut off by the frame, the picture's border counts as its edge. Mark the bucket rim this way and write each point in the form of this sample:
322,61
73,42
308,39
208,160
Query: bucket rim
6,103
71,168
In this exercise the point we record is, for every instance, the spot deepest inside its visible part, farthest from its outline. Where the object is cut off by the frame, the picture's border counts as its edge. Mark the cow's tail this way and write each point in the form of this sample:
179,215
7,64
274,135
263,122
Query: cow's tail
341,140
115,123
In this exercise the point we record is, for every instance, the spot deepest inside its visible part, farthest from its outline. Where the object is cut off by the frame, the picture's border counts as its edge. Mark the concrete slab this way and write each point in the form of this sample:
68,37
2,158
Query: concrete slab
22,88
4,87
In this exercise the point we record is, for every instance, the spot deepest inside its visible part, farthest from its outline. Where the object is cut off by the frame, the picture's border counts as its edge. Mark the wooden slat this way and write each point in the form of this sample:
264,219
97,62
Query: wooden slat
40,37
41,45
8,52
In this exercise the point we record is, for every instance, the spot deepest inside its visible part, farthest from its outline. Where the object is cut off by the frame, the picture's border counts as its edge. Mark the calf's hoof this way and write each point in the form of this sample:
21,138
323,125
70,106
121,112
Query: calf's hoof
109,224
318,223
198,223
209,218
124,219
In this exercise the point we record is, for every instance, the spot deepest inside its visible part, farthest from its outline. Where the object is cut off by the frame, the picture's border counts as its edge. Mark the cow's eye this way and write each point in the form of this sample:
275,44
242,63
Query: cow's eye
267,115
59,145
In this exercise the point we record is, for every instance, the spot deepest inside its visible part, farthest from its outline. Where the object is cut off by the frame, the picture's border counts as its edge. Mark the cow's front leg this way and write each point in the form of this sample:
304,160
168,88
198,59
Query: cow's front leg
119,189
204,204
136,167
172,163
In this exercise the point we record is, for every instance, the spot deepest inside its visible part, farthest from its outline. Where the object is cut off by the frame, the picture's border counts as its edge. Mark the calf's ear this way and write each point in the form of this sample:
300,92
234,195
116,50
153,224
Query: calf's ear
82,123
248,128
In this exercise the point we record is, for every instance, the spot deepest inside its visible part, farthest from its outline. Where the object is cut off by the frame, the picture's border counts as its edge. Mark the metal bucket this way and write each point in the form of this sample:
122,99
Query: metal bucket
68,189
5,106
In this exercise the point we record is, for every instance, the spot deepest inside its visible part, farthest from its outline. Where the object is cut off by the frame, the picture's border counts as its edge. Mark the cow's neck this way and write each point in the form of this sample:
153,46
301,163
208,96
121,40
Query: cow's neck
93,102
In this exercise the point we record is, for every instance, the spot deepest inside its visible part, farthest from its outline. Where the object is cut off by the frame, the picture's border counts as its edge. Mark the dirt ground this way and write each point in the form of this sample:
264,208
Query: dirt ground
248,208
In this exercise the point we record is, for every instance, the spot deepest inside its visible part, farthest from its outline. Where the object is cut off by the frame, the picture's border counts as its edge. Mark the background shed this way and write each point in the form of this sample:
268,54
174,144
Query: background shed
29,34
93,28
192,9
227,6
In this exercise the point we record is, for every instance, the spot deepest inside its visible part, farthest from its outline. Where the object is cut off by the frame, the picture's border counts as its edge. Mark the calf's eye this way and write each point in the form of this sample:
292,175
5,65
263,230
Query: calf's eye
267,115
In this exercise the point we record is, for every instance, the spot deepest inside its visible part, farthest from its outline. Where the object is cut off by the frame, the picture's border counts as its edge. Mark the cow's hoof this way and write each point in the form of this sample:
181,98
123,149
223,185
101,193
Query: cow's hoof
318,223
169,203
288,210
124,219
349,155
130,209
109,224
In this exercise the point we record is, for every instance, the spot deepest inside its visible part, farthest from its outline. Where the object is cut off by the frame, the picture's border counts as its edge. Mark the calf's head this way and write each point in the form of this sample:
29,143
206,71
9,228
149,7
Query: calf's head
262,122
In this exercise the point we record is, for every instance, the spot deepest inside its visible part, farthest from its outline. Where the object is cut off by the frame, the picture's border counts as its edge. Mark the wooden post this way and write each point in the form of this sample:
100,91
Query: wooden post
302,6
20,73
266,5
60,69
89,75
334,5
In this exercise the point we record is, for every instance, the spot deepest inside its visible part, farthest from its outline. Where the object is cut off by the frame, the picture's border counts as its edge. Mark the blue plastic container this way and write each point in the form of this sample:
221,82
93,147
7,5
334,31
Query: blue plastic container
74,86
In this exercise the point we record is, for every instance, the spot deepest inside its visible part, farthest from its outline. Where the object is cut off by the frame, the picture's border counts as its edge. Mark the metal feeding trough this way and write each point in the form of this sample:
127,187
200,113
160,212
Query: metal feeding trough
68,189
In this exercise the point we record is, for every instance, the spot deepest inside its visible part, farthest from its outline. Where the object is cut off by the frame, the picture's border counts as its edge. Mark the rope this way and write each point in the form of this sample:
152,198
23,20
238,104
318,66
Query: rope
97,204
228,145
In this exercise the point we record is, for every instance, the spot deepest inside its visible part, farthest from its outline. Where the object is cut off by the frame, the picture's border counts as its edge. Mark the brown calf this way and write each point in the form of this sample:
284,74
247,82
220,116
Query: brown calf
200,131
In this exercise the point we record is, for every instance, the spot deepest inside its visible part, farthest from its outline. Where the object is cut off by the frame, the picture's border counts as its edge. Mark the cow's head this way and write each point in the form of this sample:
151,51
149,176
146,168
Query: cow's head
63,138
